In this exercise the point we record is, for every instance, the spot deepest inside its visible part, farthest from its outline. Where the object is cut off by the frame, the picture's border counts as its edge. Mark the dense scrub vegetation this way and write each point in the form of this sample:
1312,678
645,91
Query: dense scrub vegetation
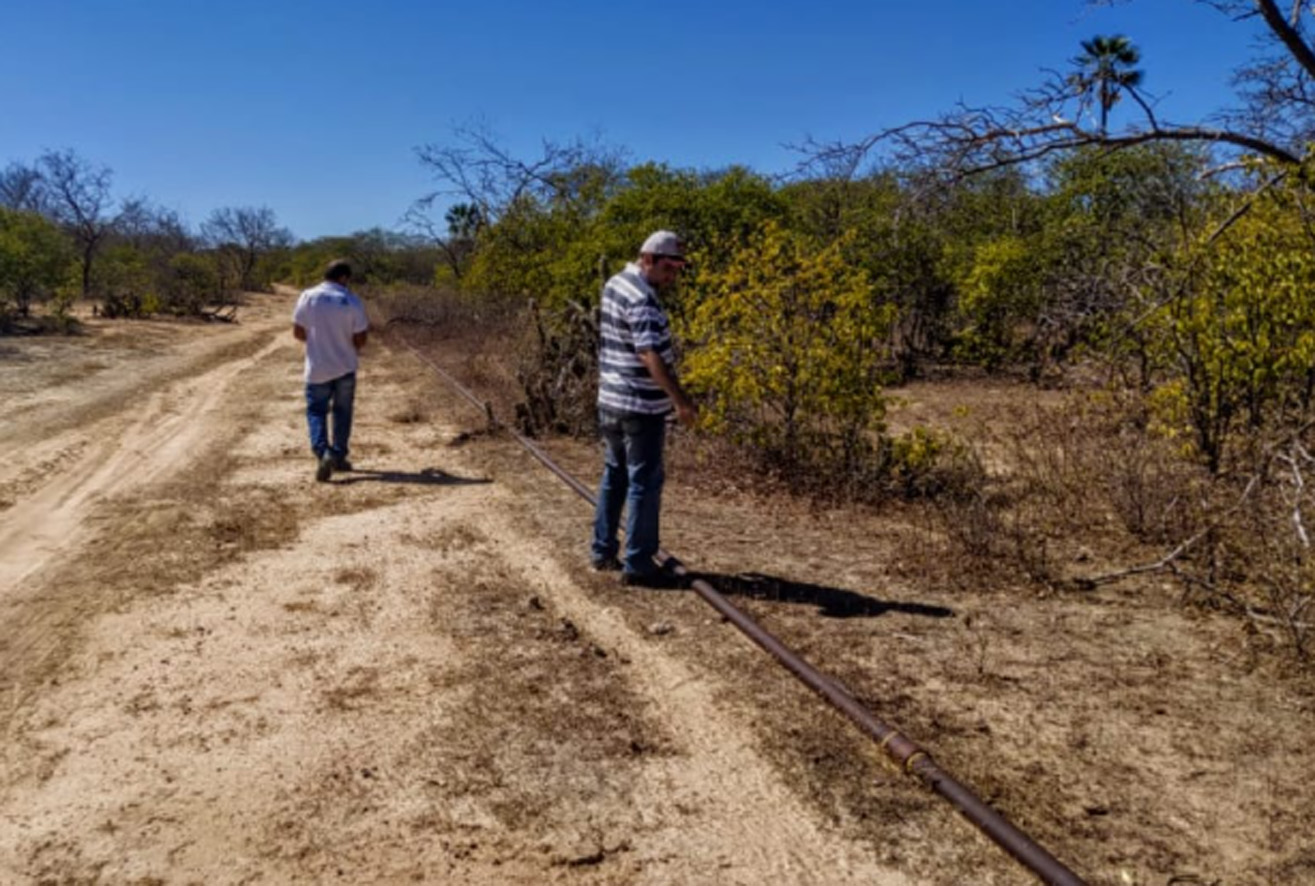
1169,305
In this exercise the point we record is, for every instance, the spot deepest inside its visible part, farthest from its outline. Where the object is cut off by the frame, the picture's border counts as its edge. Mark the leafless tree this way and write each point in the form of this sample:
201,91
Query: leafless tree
150,227
78,198
1275,89
477,170
1274,117
486,180
243,235
21,188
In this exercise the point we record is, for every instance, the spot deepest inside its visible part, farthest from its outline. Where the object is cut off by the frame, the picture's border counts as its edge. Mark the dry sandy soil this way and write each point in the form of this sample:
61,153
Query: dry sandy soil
214,670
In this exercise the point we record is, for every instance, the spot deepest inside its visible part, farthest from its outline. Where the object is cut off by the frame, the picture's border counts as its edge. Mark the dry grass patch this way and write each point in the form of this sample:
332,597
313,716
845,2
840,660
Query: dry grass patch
356,578
358,686
408,415
452,538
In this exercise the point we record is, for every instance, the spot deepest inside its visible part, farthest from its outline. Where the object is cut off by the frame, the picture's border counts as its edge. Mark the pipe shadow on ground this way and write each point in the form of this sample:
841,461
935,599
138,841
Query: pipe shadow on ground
831,602
423,477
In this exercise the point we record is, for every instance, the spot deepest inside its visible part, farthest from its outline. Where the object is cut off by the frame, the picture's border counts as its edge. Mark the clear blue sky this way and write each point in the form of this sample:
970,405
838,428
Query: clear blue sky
315,108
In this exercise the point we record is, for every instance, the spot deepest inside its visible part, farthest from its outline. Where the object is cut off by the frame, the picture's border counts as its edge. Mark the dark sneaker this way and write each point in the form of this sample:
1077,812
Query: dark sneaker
607,564
324,470
340,463
659,580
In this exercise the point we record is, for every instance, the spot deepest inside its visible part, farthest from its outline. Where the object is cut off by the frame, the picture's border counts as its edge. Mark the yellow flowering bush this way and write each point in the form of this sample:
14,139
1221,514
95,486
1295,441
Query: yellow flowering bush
788,346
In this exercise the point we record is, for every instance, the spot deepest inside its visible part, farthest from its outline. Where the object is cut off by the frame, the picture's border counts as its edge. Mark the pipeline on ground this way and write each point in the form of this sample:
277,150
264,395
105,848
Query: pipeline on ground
907,754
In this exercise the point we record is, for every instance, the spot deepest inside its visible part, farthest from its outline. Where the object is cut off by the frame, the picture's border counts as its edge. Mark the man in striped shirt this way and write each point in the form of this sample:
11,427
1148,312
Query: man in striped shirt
637,388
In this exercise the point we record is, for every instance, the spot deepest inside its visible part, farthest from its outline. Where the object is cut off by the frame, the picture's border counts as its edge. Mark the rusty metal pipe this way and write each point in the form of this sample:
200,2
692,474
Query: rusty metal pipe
907,754
485,407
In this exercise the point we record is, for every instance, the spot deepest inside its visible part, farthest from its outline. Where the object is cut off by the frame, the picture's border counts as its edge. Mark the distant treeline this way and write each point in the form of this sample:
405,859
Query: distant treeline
65,236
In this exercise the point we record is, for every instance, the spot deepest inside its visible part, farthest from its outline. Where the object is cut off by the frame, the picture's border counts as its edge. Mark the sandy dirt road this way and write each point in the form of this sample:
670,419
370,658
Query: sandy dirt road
213,669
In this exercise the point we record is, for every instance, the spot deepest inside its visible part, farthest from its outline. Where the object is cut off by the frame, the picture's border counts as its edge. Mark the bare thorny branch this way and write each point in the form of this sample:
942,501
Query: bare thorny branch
1292,452
1276,121
1169,559
1286,577
476,168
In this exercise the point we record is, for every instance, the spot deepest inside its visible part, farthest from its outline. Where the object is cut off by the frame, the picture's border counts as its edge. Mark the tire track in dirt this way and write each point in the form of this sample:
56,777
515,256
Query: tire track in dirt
58,519
743,802
153,444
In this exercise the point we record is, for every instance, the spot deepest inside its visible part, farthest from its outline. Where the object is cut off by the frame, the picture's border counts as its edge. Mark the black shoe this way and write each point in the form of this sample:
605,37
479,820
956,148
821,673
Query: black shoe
324,470
340,463
607,564
658,579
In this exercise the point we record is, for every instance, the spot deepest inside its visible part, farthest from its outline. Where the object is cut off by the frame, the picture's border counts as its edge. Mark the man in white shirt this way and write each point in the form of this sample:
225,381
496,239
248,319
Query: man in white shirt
331,320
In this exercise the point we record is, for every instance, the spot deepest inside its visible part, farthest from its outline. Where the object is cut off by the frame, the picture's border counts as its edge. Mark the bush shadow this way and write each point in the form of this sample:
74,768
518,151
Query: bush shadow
423,477
831,602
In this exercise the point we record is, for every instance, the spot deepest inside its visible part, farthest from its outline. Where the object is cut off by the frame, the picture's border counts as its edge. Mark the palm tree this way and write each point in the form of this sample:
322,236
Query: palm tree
464,221
1105,68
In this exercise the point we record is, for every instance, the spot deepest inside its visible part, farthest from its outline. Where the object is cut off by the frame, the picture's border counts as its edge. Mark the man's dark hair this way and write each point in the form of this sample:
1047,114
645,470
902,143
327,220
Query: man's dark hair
338,270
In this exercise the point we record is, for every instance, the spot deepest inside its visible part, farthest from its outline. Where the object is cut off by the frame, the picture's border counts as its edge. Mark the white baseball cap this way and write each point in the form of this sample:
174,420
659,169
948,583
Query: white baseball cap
663,243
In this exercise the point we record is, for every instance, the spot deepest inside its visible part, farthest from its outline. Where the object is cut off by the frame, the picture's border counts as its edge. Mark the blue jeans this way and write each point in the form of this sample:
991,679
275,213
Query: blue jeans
632,477
334,396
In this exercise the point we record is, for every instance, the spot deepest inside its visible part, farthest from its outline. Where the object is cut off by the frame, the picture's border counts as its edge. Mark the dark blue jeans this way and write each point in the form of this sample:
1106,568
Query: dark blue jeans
334,396
632,478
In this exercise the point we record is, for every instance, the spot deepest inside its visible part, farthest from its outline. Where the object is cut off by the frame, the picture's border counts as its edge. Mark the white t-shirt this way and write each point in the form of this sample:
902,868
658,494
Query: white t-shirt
331,314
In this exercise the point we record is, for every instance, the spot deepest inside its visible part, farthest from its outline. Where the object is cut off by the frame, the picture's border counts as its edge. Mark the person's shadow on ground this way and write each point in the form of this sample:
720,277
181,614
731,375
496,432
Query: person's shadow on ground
831,602
424,477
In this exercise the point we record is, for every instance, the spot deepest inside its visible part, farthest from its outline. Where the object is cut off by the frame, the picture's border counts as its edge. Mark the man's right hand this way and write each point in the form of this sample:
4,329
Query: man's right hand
687,413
